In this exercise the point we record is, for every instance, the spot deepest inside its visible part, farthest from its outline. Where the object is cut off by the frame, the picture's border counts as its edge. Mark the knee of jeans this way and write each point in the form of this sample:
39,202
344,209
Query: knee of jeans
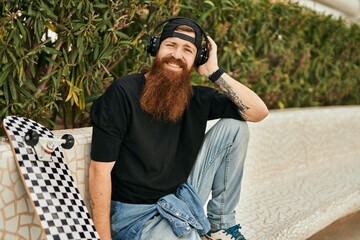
244,130
237,127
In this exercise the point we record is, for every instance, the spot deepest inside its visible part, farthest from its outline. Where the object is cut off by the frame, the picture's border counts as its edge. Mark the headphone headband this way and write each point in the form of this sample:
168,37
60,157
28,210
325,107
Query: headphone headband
202,52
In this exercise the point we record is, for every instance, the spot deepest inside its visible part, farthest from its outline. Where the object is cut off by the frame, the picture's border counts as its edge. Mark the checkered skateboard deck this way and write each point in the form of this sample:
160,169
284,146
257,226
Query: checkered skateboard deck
49,184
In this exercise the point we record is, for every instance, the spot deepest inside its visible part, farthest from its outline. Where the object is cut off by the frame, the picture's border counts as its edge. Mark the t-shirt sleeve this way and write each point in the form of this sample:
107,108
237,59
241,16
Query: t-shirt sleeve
109,118
221,106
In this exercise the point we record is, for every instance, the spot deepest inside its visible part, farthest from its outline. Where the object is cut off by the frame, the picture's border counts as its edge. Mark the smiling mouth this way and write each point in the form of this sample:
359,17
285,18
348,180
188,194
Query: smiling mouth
174,65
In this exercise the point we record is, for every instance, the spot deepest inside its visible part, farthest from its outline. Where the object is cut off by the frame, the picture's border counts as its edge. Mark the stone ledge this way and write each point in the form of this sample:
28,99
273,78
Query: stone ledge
301,174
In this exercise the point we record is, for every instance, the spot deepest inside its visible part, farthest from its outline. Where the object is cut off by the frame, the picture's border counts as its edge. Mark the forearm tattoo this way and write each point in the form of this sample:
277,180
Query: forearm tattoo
224,86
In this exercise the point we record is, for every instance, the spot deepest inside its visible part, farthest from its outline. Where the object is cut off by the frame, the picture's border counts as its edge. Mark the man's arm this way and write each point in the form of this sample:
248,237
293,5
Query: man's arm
100,196
250,105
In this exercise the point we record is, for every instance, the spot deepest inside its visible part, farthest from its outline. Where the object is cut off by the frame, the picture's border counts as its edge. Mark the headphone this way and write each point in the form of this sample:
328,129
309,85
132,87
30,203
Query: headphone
202,54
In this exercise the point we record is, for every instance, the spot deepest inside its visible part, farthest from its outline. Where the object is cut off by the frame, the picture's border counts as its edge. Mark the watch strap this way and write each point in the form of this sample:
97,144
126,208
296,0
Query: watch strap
216,75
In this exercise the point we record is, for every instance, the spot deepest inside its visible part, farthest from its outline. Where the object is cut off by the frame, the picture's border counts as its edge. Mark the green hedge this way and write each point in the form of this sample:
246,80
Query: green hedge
289,55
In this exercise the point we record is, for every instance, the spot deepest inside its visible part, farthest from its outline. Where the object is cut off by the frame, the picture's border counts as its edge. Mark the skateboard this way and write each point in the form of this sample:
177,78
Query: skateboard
52,190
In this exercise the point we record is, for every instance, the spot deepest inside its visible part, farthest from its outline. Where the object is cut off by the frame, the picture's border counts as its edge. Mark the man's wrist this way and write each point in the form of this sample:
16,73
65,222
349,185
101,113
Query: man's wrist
216,75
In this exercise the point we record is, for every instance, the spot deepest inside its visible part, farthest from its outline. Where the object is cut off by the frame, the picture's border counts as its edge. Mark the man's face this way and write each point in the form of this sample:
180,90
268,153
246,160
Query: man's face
167,89
177,54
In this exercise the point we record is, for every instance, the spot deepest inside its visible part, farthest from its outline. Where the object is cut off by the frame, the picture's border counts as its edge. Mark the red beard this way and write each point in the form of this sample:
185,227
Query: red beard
166,94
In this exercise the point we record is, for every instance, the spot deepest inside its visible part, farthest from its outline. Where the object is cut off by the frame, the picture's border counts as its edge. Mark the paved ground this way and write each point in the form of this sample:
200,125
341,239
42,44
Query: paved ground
347,228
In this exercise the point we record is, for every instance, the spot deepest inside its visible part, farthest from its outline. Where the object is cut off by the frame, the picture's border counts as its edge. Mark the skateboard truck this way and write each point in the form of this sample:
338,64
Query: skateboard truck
44,146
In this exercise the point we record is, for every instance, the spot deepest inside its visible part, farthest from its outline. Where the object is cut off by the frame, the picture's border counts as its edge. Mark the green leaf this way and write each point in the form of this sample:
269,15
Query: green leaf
4,73
122,35
13,58
21,27
51,61
92,98
51,51
27,94
101,5
3,111
49,12
6,91
30,85
96,51
38,28
210,3
13,92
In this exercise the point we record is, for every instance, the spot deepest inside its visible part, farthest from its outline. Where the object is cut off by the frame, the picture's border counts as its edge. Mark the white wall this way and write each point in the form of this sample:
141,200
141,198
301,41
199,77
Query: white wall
348,9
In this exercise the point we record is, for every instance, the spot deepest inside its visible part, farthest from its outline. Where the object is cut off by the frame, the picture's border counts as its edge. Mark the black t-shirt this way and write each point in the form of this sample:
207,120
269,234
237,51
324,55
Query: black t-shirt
152,157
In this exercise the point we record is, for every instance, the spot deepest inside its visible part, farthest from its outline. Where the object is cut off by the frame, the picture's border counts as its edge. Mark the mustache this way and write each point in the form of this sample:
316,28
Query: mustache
171,59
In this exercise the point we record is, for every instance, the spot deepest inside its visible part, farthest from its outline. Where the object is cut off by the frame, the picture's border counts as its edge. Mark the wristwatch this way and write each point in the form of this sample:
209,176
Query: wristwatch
216,75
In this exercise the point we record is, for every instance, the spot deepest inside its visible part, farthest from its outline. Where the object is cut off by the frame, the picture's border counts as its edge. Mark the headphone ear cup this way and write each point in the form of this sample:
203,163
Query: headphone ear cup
202,57
153,46
205,55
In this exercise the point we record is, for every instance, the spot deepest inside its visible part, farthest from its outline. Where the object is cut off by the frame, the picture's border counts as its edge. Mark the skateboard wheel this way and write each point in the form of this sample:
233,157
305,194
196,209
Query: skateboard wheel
69,141
31,138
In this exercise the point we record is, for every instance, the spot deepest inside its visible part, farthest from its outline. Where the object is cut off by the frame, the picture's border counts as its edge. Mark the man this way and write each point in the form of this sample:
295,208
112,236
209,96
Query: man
152,166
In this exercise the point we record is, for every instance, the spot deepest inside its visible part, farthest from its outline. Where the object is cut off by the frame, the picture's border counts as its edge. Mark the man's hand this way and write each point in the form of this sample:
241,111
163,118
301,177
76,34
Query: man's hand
211,64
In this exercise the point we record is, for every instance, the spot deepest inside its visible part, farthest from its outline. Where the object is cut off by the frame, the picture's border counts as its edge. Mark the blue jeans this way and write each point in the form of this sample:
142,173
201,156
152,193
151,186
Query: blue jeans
183,211
218,170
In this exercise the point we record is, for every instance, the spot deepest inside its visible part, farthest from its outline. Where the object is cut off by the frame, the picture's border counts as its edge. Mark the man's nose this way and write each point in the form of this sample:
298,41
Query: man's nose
177,54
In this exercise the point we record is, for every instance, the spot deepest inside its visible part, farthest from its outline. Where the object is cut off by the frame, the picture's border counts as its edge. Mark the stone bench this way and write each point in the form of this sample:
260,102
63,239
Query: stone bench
301,174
